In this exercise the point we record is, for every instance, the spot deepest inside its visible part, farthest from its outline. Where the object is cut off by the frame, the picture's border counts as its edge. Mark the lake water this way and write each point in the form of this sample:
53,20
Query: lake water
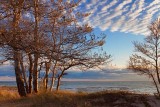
93,86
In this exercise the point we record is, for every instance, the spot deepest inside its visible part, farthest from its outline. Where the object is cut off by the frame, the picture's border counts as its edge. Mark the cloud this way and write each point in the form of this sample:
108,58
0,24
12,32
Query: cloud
110,74
105,8
129,16
7,78
122,4
6,70
107,74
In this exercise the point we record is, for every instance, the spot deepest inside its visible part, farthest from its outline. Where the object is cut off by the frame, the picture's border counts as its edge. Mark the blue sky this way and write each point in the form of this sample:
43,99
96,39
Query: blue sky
120,46
123,21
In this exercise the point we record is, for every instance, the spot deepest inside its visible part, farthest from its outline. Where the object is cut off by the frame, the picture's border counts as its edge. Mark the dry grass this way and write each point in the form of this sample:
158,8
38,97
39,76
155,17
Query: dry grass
70,99
8,93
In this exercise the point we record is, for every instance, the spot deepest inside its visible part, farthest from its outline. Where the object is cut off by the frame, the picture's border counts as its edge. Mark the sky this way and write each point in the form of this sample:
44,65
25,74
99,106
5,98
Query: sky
123,21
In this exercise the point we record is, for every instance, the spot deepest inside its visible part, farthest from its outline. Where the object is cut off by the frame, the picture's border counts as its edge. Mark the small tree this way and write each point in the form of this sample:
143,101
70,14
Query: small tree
82,63
146,60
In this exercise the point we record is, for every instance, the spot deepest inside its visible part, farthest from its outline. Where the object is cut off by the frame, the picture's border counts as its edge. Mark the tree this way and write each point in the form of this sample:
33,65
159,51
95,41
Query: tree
13,31
19,37
38,35
82,63
70,41
146,60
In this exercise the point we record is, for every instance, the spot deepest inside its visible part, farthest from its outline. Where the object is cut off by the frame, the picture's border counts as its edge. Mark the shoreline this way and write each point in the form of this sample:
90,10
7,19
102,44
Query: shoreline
14,89
92,86
113,98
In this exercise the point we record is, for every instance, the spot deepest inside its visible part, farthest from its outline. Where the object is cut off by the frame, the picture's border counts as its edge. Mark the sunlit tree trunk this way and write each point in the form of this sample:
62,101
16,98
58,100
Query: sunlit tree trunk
19,77
24,73
45,80
53,76
16,55
52,81
30,72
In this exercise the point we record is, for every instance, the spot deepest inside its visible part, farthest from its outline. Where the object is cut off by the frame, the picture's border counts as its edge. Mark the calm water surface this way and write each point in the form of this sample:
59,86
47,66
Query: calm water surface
93,86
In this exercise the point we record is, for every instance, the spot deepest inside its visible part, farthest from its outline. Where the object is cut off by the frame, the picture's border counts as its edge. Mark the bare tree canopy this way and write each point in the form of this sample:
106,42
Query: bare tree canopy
146,60
37,35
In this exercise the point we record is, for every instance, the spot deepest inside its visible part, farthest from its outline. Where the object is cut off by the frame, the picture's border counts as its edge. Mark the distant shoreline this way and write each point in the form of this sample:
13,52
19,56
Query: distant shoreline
9,97
90,80
96,86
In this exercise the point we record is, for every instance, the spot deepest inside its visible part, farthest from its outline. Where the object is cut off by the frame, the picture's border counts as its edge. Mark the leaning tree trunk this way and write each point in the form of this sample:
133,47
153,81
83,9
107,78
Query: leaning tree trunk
19,77
58,83
156,60
59,79
156,85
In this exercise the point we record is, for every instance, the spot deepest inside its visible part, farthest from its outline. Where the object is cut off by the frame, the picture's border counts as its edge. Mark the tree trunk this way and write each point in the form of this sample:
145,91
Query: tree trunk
52,83
30,73
24,74
58,83
52,80
36,54
47,65
19,78
17,9
53,76
156,60
59,79
155,83
35,74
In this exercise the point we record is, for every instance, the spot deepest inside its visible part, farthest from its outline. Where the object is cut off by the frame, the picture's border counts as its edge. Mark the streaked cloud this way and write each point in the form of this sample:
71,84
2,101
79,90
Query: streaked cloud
112,3
107,74
7,78
129,16
110,74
